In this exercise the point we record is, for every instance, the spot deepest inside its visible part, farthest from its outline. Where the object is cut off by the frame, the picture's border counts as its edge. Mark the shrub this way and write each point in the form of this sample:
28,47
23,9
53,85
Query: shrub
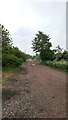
62,64
19,54
47,55
10,60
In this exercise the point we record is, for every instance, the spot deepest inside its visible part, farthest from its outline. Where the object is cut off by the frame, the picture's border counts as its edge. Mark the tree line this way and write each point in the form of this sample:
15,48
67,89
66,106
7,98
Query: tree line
42,47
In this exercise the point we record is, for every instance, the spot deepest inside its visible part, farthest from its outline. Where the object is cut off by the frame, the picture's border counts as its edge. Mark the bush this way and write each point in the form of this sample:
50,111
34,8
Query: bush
19,54
10,60
47,55
12,56
62,64
23,57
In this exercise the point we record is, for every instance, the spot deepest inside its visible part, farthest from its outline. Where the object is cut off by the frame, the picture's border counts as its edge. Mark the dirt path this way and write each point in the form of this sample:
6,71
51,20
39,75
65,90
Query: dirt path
38,91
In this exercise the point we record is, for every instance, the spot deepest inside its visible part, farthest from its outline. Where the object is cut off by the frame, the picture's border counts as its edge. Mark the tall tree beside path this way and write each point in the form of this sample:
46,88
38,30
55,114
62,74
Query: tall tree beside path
42,45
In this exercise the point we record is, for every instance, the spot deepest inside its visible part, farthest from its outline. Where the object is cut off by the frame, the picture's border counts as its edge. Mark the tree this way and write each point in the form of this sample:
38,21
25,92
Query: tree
65,55
6,40
59,49
41,42
29,56
42,46
58,53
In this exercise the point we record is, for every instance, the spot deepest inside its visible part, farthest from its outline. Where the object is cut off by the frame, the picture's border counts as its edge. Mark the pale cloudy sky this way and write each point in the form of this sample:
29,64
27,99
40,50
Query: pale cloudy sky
24,18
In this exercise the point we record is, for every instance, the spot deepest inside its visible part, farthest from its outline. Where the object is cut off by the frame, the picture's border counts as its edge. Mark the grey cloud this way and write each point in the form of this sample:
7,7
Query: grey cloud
24,32
48,8
23,39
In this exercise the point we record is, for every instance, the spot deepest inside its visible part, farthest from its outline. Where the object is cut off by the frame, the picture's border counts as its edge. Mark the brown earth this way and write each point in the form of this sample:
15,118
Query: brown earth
37,91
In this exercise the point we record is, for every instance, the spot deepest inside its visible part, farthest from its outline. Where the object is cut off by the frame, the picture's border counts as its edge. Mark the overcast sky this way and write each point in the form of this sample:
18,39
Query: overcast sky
24,18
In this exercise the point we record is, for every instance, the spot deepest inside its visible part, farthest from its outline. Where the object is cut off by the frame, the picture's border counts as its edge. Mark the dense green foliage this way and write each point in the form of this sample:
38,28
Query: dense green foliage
47,55
62,64
64,55
11,56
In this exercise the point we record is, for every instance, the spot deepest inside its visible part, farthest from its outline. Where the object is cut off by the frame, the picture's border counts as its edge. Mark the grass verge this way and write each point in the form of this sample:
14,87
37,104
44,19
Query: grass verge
59,65
11,69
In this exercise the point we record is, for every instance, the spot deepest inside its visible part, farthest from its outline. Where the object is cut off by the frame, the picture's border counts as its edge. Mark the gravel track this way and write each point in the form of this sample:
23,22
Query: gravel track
37,91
